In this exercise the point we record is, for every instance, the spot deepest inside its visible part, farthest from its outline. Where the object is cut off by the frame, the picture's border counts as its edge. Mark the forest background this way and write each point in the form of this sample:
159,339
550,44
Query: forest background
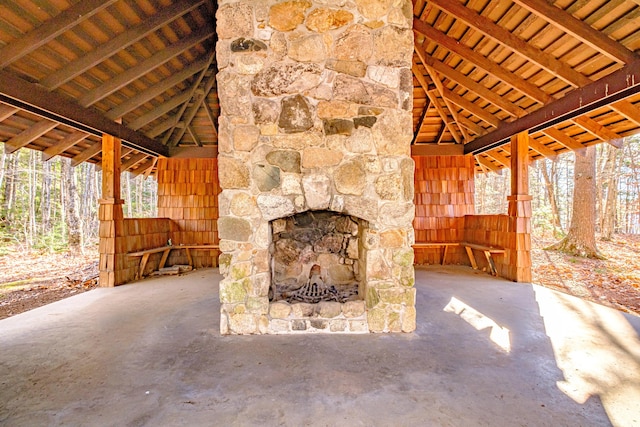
49,209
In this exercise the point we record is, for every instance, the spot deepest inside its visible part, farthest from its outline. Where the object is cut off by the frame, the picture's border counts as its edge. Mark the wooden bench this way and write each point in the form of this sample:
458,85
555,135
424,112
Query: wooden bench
437,245
165,254
469,247
487,250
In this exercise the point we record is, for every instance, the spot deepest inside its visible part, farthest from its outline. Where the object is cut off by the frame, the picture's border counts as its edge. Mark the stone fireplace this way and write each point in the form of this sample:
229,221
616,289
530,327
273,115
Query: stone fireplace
314,162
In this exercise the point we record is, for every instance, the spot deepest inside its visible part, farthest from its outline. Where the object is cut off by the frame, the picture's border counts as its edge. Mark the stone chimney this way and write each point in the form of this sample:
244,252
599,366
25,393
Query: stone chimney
316,100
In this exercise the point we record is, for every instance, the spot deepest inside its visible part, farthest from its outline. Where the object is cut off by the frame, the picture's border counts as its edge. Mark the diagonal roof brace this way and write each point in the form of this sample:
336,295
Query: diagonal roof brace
53,106
609,89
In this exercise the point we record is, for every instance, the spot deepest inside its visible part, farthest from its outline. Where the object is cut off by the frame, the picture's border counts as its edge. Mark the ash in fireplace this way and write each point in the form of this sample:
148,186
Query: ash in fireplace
316,290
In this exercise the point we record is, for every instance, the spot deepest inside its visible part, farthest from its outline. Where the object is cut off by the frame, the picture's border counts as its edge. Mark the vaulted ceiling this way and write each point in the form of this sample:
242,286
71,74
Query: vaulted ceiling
144,70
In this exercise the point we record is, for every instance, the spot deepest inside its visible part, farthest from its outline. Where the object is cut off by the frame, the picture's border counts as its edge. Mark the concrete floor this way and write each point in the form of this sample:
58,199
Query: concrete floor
486,352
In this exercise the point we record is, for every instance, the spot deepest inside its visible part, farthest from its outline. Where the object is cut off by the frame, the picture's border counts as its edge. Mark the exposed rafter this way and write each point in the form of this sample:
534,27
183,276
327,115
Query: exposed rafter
25,137
68,141
120,42
87,154
481,61
434,101
512,41
158,89
50,29
58,108
615,86
579,30
145,66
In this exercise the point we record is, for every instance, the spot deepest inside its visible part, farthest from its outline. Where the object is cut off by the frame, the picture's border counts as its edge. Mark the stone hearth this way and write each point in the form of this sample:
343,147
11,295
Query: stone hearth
316,206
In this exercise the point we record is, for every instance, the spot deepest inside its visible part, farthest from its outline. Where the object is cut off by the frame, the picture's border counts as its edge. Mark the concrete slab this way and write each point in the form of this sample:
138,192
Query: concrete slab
486,352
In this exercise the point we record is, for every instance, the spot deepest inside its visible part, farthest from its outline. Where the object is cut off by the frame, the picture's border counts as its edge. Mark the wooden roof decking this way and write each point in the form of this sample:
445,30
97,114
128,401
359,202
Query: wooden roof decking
481,64
148,63
69,69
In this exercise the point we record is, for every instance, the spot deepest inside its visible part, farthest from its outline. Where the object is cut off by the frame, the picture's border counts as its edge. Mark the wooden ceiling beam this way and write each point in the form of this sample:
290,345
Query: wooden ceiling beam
499,157
65,143
193,136
530,52
160,110
471,107
563,139
423,114
7,111
163,127
440,88
145,66
443,115
148,165
481,61
487,164
59,108
87,154
520,46
157,89
437,150
545,151
472,126
578,29
28,135
51,29
611,88
212,119
513,42
628,110
201,88
150,169
595,128
470,84
133,160
120,42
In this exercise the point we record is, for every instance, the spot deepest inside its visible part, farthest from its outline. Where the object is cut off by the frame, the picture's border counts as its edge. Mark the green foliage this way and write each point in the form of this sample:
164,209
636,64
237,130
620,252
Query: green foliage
23,210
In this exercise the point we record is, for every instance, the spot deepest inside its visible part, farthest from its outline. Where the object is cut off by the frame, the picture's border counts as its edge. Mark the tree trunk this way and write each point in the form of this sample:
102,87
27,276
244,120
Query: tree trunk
10,188
609,204
551,197
31,228
88,201
126,183
3,156
634,220
74,228
581,238
45,203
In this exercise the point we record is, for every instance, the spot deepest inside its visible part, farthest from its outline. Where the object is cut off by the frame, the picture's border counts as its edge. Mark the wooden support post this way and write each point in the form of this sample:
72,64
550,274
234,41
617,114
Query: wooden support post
110,214
519,249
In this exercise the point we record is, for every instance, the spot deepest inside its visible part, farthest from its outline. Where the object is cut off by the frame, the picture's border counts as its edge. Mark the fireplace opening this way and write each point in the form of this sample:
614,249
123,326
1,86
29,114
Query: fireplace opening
317,256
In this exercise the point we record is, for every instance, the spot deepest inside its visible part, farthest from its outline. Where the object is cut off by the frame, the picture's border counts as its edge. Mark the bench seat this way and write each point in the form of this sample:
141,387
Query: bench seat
427,245
165,254
486,250
469,248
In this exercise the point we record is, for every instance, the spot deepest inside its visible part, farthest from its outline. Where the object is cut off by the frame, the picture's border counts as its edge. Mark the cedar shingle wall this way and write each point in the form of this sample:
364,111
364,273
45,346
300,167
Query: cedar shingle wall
139,234
444,194
188,194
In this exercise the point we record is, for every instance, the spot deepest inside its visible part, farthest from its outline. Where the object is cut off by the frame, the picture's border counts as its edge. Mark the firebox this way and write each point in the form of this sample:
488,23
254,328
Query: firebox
317,272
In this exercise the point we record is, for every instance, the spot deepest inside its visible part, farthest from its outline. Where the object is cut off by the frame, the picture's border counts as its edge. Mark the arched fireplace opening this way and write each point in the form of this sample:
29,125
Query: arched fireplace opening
317,256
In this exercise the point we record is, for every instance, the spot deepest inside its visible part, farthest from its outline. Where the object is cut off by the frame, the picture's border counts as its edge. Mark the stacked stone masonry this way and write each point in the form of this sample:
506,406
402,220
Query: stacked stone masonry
316,100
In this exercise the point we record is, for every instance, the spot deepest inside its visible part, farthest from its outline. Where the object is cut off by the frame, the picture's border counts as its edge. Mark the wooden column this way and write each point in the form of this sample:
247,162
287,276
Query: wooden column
519,250
110,213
